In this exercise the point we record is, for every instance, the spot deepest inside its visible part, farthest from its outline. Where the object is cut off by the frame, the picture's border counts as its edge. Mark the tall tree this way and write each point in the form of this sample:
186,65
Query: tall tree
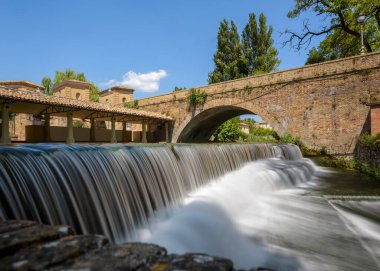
339,27
228,58
69,74
258,48
238,61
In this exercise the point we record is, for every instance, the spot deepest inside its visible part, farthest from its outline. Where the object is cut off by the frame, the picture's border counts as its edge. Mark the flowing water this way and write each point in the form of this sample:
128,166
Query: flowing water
256,204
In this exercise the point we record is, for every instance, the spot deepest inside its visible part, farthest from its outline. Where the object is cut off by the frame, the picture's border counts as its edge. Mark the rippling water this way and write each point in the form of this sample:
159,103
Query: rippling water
264,215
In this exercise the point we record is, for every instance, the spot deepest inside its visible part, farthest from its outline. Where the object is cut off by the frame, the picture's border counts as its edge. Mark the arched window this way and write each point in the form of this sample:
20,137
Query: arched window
124,99
77,96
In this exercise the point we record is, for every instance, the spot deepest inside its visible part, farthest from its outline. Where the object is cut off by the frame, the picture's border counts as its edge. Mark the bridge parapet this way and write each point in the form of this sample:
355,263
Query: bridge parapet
325,104
356,64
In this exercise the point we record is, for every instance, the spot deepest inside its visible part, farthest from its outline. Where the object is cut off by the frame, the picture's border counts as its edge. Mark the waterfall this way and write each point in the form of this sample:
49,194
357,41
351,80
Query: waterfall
115,189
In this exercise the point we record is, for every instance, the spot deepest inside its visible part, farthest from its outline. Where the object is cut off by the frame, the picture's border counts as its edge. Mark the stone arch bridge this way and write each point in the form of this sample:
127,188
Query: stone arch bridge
326,105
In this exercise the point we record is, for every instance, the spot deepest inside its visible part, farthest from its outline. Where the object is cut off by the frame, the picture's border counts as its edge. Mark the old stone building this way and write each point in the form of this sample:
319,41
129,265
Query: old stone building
18,122
117,95
73,89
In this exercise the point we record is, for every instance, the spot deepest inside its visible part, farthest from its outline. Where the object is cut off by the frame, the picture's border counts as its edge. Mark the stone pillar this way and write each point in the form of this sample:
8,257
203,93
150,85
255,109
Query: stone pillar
143,135
70,130
113,132
47,136
167,132
5,139
92,130
124,131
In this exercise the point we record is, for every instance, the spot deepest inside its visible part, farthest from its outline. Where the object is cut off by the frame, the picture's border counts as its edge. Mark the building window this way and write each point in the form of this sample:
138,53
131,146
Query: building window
106,100
77,96
124,99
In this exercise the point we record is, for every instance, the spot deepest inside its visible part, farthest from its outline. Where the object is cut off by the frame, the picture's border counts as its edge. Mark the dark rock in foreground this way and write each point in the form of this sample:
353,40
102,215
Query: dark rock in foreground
26,245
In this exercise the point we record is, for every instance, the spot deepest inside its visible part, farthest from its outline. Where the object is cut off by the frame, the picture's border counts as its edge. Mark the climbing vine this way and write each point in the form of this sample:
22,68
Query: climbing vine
196,97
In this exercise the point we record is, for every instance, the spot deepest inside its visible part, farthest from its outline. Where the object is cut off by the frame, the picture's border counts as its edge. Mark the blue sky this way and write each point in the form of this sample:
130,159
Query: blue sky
146,44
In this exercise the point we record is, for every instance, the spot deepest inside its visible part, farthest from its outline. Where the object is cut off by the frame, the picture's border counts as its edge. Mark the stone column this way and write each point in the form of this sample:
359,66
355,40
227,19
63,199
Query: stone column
113,132
70,130
143,136
124,131
167,132
92,130
5,139
47,136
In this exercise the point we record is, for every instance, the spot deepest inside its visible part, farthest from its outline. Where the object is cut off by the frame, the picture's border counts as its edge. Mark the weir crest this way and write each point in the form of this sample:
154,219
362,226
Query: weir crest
115,189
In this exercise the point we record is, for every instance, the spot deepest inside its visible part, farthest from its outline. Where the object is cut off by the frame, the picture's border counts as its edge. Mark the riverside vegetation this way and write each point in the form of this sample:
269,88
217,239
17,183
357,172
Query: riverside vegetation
366,158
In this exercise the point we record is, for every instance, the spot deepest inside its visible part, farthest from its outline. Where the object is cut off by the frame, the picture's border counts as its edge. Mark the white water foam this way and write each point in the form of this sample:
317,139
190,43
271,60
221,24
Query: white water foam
212,219
257,216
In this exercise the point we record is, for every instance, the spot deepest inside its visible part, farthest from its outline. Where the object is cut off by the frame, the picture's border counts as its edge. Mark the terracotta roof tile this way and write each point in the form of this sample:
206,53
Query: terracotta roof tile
21,82
39,98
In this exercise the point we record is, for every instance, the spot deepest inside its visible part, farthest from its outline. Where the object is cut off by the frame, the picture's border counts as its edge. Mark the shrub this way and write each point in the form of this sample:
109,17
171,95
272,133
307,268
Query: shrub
132,104
78,124
196,97
368,140
368,169
289,139
261,131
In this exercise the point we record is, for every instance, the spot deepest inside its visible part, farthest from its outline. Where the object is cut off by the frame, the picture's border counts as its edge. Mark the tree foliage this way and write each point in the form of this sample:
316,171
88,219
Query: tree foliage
178,88
252,54
257,44
340,28
69,74
261,131
229,131
228,58
132,104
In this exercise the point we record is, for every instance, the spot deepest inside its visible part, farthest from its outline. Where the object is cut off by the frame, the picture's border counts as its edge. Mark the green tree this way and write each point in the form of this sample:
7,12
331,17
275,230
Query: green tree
339,27
46,82
69,74
257,45
316,56
229,131
132,104
228,58
178,88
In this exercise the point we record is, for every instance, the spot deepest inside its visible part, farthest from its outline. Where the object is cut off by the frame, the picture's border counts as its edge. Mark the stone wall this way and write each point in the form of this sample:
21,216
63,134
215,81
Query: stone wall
35,133
375,119
325,104
368,154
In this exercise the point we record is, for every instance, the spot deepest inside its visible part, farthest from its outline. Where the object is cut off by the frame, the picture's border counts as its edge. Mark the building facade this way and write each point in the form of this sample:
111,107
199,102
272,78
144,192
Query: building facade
73,89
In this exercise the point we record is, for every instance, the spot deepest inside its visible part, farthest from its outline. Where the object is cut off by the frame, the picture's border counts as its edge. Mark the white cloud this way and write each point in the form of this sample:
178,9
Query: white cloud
146,82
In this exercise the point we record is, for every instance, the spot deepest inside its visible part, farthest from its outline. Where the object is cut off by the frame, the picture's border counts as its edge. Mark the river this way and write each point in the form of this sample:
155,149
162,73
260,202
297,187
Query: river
258,205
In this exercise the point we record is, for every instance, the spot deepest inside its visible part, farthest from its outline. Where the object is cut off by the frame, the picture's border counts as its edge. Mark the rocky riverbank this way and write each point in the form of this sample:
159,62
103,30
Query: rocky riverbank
27,245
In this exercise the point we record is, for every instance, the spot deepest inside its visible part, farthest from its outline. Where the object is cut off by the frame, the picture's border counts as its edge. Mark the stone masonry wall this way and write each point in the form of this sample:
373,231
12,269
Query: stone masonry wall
325,104
375,119
368,154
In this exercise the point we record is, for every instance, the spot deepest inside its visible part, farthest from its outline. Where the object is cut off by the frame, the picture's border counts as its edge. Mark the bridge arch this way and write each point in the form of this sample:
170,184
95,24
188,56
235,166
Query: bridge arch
199,125
325,104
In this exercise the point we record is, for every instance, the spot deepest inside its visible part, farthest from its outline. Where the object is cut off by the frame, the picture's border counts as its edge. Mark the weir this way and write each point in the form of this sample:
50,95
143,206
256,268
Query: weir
113,189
